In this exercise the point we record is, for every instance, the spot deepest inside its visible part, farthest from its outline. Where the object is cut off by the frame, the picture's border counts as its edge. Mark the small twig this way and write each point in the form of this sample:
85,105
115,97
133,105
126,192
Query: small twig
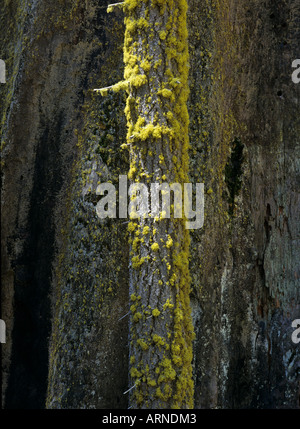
124,316
115,4
124,393
104,89
116,87
111,6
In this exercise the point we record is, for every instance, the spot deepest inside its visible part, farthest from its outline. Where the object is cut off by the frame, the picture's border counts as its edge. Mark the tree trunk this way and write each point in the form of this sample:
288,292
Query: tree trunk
161,331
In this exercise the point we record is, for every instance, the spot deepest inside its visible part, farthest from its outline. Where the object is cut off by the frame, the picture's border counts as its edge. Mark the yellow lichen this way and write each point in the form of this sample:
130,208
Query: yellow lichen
155,247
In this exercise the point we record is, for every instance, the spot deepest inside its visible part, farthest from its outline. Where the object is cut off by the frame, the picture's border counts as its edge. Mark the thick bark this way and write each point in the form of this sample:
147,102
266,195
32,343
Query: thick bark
245,261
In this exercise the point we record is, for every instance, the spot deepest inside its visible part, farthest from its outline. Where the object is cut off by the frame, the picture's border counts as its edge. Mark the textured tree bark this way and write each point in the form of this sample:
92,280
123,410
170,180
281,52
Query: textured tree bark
65,276
61,269
161,331
245,262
